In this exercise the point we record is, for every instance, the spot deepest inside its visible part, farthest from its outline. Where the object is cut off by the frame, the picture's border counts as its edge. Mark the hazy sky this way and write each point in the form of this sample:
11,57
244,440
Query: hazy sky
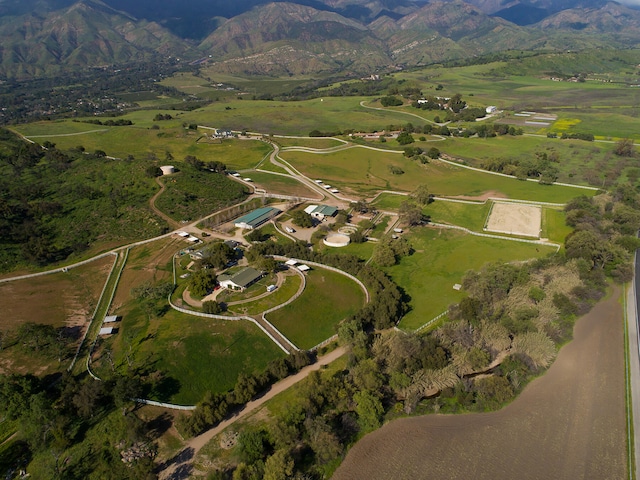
634,3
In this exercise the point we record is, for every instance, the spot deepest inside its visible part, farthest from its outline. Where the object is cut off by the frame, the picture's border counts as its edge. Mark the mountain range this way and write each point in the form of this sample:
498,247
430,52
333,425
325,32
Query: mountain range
47,37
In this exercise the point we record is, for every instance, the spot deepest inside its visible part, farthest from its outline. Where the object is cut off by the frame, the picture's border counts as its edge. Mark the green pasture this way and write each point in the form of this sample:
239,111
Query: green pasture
148,144
283,293
329,298
309,142
578,162
254,85
553,225
360,250
471,216
367,171
195,354
440,259
293,118
389,201
281,185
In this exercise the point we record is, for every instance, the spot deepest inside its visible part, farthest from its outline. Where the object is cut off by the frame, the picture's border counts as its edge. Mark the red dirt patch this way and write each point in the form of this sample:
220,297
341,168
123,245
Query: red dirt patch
568,424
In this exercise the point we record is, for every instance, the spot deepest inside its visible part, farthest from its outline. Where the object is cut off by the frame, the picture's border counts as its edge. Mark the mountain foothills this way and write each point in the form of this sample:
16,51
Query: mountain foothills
48,37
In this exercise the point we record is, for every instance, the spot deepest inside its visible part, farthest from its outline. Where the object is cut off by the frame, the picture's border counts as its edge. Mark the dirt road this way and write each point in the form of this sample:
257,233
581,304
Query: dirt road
568,424
179,467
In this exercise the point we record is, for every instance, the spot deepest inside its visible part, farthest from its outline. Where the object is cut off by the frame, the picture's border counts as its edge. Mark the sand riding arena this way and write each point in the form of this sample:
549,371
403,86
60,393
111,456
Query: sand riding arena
514,219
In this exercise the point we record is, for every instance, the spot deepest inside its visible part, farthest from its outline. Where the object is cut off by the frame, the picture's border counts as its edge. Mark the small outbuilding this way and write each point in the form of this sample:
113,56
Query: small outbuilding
168,169
110,319
304,268
107,331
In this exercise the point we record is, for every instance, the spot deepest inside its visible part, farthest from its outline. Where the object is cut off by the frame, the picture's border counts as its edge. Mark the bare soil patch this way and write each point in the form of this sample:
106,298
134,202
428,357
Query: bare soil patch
515,219
481,198
568,424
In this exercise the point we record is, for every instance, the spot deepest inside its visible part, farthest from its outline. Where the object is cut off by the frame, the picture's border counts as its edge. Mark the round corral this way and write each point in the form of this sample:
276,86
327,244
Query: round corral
167,169
336,240
347,230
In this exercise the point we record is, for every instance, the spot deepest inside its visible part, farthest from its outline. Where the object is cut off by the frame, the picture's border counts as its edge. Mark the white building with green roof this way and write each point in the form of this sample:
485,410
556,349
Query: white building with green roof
241,279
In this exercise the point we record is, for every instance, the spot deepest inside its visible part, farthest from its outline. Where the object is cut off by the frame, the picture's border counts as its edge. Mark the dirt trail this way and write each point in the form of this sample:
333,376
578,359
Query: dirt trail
152,204
179,467
568,424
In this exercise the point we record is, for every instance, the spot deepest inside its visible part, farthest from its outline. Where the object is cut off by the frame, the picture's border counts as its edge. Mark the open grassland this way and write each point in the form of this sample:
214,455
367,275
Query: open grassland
389,201
146,143
367,171
471,216
283,293
195,354
570,423
440,260
328,298
309,142
554,225
577,160
63,300
282,185
294,118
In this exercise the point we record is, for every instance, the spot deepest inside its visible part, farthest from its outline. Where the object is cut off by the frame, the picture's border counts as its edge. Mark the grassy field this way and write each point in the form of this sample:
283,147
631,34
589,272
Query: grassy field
461,214
310,142
553,225
366,171
440,260
328,299
195,354
281,185
279,296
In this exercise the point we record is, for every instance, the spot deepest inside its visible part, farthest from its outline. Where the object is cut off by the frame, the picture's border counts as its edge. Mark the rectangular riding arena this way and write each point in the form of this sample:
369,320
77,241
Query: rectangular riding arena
515,219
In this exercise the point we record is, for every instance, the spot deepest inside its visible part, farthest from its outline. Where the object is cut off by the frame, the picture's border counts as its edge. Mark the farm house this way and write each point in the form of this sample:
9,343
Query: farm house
256,218
240,280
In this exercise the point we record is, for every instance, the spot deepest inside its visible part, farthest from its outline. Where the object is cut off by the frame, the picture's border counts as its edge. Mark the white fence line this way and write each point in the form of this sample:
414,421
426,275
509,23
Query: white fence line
432,321
324,343
165,405
499,237
333,269
95,311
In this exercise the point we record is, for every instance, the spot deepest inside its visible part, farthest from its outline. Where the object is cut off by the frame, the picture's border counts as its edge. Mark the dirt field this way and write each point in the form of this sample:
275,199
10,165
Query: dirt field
515,219
146,263
57,299
568,424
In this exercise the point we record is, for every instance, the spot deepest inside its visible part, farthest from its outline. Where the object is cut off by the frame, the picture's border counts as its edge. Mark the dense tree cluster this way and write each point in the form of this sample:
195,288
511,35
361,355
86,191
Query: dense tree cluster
542,166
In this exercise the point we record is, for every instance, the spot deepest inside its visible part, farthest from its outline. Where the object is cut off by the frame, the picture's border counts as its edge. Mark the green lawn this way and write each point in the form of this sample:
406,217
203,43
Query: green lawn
553,225
440,260
389,201
329,298
279,296
309,142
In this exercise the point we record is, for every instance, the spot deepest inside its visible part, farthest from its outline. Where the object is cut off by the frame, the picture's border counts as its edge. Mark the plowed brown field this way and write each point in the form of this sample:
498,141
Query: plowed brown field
568,424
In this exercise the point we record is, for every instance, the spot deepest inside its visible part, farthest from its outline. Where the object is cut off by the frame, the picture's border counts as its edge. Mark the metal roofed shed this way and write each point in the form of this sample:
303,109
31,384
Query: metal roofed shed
304,268
256,218
241,279
321,211
110,319
291,262
107,330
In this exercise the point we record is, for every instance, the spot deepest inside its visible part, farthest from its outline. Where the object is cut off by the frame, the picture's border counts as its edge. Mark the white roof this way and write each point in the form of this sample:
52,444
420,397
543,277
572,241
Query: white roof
318,181
327,186
110,318
303,268
191,238
335,190
106,331
183,234
247,179
235,174
291,262
310,209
